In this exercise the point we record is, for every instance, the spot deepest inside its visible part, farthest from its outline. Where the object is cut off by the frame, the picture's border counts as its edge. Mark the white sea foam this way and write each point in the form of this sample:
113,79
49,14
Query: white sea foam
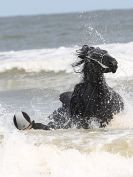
38,60
60,59
66,153
22,157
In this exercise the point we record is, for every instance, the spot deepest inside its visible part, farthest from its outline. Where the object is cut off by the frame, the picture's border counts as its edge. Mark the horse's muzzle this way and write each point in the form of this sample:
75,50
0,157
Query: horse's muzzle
114,68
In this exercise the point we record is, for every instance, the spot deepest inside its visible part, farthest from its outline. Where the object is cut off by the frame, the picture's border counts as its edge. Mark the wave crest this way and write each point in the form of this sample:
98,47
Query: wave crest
61,59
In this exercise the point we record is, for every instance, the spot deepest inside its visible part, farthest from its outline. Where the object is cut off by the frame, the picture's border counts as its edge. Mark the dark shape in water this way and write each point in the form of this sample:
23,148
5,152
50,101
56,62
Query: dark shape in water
92,98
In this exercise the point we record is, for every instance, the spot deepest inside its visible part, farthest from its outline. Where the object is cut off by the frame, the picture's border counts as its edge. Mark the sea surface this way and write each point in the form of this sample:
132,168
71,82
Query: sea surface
36,57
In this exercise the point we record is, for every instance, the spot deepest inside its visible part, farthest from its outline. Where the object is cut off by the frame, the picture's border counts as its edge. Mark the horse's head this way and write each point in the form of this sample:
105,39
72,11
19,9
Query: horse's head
96,60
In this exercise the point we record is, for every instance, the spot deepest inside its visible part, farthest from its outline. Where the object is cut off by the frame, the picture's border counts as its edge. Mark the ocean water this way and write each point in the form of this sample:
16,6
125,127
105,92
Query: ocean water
36,56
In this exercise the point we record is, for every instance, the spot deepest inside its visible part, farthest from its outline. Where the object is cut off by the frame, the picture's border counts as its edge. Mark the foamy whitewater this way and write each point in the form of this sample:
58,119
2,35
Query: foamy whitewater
94,153
33,75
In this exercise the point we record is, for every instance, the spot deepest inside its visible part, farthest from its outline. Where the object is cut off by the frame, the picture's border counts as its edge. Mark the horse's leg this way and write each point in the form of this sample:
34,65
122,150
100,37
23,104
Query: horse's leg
65,98
40,126
60,118
76,103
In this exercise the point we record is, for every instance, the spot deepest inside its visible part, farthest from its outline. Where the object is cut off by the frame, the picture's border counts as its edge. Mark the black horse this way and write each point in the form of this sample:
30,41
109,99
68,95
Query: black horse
92,99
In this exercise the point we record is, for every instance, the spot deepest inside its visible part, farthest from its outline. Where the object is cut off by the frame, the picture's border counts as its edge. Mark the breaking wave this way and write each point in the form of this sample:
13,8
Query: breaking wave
60,59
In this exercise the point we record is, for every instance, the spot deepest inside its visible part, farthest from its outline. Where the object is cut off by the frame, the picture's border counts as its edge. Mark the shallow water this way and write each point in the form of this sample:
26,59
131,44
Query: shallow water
74,152
31,80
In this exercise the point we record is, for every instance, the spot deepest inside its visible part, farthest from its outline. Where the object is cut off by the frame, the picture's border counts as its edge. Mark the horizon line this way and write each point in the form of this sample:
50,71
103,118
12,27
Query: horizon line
65,13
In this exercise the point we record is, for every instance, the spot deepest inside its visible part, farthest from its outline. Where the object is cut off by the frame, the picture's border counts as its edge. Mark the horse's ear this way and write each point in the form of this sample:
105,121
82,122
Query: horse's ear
83,51
100,51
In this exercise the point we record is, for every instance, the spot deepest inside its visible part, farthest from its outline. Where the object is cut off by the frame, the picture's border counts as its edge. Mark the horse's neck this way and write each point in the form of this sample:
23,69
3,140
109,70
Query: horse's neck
96,88
95,79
